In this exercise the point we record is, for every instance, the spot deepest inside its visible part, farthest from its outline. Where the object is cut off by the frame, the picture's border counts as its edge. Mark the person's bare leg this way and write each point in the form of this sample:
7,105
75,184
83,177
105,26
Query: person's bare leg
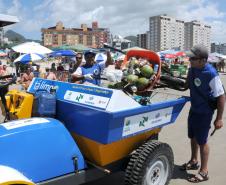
204,153
194,150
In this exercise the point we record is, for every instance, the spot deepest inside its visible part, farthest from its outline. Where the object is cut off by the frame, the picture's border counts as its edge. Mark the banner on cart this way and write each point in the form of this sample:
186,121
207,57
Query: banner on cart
86,99
141,122
74,93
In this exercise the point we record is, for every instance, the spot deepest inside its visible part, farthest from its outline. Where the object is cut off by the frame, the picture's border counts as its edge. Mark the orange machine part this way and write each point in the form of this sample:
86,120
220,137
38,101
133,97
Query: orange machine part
103,154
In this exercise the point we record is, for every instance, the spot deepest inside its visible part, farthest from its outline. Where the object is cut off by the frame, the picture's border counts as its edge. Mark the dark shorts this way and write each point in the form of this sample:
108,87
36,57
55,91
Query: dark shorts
199,126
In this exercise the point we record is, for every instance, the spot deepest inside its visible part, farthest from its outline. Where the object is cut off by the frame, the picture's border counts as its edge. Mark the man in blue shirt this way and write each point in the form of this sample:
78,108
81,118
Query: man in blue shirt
91,71
205,87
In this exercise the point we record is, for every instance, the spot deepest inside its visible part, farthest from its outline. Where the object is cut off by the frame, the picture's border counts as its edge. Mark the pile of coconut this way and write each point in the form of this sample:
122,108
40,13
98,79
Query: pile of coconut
137,75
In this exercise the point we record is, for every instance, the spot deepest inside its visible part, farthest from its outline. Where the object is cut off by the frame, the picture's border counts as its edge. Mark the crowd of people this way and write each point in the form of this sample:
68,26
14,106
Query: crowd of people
83,69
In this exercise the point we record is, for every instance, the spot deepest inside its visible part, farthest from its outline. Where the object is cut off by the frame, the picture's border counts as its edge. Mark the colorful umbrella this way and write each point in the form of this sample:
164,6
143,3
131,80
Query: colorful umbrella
26,58
31,47
100,57
59,53
180,54
170,56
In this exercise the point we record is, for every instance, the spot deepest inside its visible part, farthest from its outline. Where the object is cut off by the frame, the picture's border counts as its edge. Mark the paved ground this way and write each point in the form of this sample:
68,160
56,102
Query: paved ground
176,136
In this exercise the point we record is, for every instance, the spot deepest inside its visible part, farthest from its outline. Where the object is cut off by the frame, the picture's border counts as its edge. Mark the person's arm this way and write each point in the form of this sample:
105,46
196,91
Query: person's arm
218,123
218,92
78,76
186,85
109,60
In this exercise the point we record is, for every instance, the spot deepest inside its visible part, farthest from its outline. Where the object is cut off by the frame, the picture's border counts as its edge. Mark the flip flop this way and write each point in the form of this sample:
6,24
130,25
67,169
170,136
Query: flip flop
200,177
189,166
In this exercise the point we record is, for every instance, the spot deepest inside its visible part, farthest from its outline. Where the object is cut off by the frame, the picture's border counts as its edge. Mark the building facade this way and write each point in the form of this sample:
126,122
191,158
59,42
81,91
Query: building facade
142,40
169,33
197,33
218,48
58,35
165,33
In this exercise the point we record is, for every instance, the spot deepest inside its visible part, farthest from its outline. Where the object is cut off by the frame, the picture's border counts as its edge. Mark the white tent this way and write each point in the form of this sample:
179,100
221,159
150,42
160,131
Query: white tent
218,55
31,47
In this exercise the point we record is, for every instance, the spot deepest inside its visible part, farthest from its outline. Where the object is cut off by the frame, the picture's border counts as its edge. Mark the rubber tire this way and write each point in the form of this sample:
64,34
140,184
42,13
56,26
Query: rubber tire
144,155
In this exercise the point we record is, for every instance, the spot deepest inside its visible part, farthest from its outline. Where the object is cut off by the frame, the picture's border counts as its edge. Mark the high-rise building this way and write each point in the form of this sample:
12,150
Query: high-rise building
142,40
197,33
165,33
170,33
58,35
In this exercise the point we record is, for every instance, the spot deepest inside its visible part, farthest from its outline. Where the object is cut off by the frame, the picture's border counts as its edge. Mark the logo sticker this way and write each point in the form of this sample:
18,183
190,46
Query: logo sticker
197,82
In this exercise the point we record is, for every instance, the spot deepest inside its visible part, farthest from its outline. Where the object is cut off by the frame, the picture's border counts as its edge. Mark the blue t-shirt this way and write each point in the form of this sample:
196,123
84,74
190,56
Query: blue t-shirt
95,70
207,82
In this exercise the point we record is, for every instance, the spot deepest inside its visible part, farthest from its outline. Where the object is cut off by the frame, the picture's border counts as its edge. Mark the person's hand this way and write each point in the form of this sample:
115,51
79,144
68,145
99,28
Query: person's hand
218,124
88,76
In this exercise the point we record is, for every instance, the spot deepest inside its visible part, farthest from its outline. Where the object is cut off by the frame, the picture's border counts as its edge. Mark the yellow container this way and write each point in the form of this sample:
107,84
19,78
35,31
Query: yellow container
103,154
19,104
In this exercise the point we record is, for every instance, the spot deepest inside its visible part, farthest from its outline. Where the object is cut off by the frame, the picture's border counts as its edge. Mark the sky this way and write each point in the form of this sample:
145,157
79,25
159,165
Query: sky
123,17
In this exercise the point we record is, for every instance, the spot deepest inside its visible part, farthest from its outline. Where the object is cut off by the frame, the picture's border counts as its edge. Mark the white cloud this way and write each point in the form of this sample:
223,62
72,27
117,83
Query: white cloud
128,17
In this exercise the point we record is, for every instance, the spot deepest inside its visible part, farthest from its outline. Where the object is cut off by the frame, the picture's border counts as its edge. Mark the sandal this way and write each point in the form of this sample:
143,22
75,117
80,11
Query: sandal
190,166
200,177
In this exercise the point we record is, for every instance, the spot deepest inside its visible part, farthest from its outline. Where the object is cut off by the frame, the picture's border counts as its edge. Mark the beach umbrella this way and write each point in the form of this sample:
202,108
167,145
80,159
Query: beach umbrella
134,48
59,53
170,56
100,57
213,59
2,53
26,58
180,54
121,57
77,47
31,47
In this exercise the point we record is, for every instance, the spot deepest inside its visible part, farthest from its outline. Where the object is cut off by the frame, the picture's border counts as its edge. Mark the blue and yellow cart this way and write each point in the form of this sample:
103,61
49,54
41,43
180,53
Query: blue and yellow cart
96,131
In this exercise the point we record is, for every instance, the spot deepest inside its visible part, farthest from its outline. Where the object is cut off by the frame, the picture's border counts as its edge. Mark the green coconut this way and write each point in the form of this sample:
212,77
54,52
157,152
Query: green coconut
142,83
147,71
132,79
134,62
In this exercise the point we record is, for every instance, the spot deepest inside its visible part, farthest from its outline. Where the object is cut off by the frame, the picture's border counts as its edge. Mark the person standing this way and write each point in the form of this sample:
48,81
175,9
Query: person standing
205,87
90,71
78,61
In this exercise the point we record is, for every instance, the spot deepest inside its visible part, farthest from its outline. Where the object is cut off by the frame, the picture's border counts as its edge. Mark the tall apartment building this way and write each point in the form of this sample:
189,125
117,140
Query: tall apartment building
91,37
165,33
197,33
169,33
142,40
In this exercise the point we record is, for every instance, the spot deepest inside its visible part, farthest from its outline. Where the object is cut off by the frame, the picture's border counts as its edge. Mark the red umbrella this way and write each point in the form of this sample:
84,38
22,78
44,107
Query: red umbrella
3,54
170,56
180,54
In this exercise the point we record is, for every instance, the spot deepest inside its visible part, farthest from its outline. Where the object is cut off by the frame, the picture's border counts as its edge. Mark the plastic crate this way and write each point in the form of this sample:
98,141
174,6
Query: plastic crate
178,69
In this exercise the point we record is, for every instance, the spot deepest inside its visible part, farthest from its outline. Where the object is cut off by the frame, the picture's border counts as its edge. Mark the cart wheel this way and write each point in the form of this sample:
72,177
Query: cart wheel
151,164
